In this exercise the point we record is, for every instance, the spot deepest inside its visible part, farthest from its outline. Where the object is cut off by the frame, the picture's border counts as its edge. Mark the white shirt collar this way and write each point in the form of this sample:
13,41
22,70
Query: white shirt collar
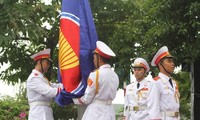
105,66
163,76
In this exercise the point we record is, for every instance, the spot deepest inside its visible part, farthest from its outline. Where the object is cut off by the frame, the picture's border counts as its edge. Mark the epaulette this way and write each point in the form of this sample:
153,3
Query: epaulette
94,70
132,82
35,74
156,78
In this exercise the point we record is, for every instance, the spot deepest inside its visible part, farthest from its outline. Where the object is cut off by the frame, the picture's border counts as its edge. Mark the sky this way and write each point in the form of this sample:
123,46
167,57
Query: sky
6,89
9,90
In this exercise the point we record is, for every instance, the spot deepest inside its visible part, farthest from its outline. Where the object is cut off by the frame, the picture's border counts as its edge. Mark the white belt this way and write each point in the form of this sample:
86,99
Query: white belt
106,102
39,103
170,114
137,108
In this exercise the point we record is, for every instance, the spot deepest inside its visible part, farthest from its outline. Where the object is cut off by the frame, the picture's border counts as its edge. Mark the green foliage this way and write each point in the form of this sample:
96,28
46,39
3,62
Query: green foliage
146,26
24,33
107,14
184,83
131,28
11,108
64,113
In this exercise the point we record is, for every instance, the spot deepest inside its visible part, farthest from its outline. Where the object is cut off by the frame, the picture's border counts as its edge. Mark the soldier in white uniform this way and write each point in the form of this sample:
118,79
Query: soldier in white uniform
102,87
39,90
140,102
168,89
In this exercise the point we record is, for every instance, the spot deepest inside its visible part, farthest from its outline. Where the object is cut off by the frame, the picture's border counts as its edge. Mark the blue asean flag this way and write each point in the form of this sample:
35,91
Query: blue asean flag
77,40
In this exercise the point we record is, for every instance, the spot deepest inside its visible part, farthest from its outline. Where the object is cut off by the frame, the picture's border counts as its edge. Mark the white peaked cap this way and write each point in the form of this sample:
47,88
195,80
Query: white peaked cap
161,53
103,50
42,54
141,62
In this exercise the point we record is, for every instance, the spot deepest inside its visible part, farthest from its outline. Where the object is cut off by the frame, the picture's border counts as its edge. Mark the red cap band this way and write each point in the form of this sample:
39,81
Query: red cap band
143,66
41,56
161,56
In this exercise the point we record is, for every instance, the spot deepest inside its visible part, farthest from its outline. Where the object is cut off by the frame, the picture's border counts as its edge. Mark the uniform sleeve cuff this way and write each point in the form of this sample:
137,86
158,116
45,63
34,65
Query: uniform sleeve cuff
77,101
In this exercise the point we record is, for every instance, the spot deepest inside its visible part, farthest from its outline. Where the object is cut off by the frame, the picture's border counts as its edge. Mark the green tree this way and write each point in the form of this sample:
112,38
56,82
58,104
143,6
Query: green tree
154,24
131,28
23,33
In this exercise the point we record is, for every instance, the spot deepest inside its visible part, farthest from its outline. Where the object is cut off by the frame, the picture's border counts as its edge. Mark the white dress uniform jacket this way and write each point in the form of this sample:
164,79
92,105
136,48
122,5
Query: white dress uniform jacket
140,103
100,104
169,98
39,93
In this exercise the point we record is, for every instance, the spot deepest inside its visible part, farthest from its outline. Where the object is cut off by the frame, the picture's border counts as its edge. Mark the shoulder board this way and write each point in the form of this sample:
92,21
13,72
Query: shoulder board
94,70
148,80
156,78
35,74
130,84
